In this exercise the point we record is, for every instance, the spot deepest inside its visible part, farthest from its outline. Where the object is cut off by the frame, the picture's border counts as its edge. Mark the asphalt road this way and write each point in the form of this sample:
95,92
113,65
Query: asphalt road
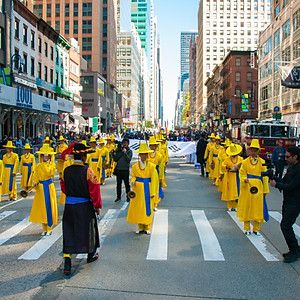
196,250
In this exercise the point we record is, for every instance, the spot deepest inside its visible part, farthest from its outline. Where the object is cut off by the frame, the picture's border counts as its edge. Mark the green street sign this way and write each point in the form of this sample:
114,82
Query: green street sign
277,116
245,103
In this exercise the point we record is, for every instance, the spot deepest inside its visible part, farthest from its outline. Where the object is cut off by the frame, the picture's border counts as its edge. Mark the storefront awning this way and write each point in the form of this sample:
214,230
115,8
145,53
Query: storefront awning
79,120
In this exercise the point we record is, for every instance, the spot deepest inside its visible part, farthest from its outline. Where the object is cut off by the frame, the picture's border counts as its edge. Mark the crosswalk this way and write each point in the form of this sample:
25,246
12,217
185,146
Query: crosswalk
158,241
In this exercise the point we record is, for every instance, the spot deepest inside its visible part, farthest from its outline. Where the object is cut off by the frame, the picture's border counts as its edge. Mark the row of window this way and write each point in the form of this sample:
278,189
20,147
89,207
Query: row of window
229,41
236,16
242,7
235,24
87,10
235,32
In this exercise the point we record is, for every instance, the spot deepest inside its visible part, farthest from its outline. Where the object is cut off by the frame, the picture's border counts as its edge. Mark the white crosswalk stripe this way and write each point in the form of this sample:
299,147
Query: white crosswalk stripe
5,214
158,246
8,234
278,216
39,248
210,246
259,242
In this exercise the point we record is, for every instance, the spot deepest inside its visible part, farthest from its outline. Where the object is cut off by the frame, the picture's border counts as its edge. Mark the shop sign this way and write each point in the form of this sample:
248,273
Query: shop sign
24,97
25,82
46,85
65,105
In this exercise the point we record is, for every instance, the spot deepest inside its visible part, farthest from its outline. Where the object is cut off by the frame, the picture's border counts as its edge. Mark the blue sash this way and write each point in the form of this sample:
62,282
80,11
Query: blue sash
265,207
94,159
215,155
29,171
46,184
238,181
160,190
11,178
76,200
146,182
103,171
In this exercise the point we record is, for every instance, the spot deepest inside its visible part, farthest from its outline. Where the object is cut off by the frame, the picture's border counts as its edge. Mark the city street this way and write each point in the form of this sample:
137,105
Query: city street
197,250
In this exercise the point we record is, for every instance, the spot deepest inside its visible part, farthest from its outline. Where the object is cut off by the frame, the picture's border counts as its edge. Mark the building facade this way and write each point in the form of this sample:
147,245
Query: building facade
225,26
279,45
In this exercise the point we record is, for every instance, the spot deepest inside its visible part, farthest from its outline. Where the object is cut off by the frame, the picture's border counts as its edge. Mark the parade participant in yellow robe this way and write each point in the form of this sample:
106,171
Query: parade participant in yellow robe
214,159
44,206
165,154
144,183
85,144
47,141
206,153
222,157
104,156
11,165
67,163
1,176
113,147
93,158
27,166
59,149
253,206
157,159
231,180
110,147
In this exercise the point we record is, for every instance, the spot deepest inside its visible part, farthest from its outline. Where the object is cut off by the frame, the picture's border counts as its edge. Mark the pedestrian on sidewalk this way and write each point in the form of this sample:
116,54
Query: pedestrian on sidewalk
278,159
122,156
11,165
200,151
290,185
252,206
44,205
82,189
144,183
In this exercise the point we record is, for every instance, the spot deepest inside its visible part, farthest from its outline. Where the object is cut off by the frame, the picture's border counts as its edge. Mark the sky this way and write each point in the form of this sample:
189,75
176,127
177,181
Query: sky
173,16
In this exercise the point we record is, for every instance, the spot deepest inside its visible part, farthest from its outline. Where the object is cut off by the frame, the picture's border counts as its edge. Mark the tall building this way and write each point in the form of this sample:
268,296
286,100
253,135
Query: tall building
185,40
225,26
279,45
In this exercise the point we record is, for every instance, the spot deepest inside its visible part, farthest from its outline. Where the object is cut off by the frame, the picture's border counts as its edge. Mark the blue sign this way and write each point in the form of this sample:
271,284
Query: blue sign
276,109
44,84
230,107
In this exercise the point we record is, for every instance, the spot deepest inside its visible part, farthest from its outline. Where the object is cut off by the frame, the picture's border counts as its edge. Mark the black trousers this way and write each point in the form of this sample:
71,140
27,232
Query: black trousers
290,214
122,175
279,167
202,165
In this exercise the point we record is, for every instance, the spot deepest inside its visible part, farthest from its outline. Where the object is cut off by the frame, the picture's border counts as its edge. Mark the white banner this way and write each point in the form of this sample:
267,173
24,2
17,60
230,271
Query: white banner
176,149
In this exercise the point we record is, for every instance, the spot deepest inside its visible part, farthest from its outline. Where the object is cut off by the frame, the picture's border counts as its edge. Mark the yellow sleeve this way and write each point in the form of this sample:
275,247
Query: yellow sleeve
33,163
1,171
133,174
99,164
243,172
16,164
161,168
36,177
21,164
265,179
106,156
206,151
154,181
52,168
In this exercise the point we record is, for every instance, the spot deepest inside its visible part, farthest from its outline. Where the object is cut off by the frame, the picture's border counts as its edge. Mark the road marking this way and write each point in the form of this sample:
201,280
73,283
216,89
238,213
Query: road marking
158,246
105,225
209,242
259,242
8,234
278,216
11,203
39,248
5,214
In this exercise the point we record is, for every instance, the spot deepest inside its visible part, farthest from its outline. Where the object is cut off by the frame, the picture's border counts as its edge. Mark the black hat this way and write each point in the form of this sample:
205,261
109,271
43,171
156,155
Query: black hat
81,148
125,140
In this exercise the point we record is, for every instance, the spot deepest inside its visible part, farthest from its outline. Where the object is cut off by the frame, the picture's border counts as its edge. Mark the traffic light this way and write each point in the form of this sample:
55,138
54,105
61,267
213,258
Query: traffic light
143,116
187,114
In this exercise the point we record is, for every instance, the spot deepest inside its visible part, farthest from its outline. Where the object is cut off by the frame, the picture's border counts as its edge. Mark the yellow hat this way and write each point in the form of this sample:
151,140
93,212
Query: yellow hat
46,149
255,144
84,142
108,138
227,143
162,137
61,138
152,141
213,136
47,139
217,137
144,148
9,145
27,147
157,137
101,140
92,139
234,149
112,137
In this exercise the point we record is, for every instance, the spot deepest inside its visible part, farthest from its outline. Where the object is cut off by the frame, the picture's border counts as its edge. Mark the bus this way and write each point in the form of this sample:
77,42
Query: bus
268,133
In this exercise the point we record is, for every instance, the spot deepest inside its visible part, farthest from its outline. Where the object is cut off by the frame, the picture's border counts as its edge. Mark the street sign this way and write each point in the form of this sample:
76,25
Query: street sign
276,109
277,116
245,103
230,107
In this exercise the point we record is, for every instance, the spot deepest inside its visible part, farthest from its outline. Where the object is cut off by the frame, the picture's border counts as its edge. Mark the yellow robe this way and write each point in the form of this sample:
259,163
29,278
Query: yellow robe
162,151
137,207
250,206
13,159
27,159
230,182
62,197
1,176
104,155
206,156
158,161
109,147
38,214
92,160
60,162
222,157
214,157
